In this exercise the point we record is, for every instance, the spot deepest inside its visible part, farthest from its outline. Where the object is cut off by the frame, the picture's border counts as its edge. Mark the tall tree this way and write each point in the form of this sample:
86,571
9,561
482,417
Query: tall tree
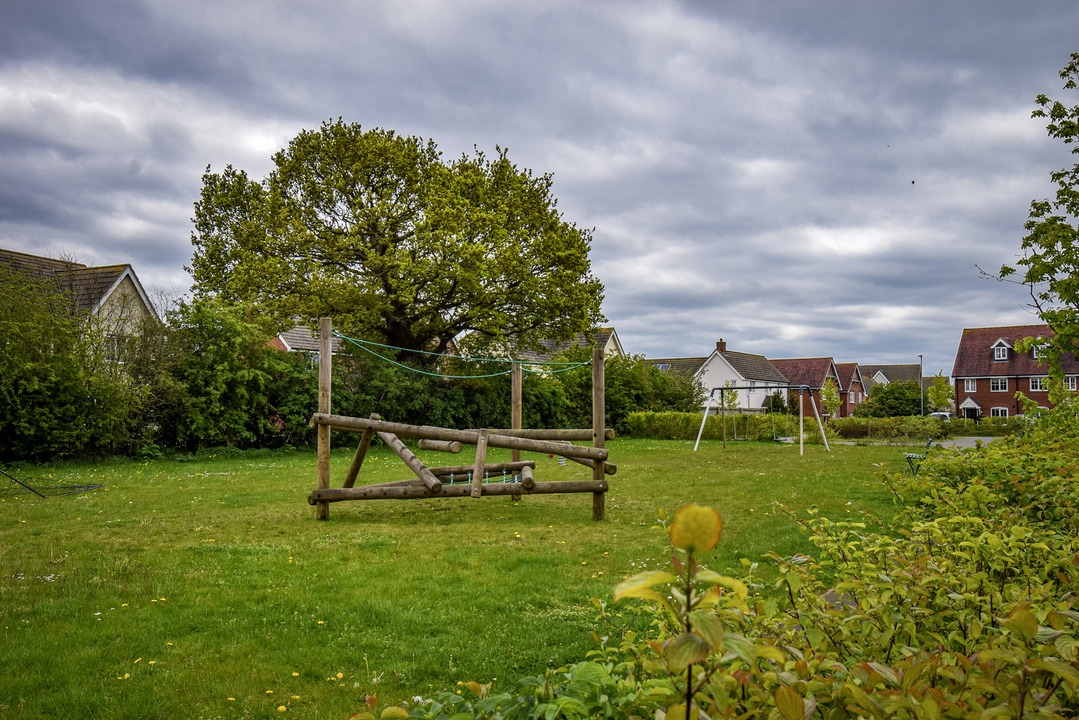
1049,265
398,245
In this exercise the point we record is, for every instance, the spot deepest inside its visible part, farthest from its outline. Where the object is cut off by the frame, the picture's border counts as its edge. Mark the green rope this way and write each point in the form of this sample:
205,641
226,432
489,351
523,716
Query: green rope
361,344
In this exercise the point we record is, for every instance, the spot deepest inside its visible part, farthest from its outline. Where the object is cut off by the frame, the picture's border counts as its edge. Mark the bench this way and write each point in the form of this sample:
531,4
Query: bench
915,459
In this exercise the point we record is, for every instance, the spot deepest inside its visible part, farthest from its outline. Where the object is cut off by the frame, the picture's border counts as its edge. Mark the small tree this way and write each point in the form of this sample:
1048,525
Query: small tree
1049,266
892,400
940,395
830,396
730,400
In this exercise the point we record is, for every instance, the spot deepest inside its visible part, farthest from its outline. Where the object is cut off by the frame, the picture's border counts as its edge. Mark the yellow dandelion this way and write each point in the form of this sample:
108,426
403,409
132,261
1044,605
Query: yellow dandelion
152,662
321,622
231,699
295,697
269,692
169,644
281,708
340,675
584,562
295,674
137,661
127,675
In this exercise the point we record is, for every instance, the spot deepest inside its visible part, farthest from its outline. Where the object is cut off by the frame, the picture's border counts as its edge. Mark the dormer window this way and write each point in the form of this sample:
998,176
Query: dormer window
1000,350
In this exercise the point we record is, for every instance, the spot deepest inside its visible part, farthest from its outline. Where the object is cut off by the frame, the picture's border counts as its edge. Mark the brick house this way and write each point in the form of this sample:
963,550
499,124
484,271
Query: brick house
813,373
988,371
851,388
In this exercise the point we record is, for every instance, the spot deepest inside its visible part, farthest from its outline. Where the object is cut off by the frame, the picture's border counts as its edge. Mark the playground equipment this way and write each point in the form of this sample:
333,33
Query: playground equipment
723,411
518,476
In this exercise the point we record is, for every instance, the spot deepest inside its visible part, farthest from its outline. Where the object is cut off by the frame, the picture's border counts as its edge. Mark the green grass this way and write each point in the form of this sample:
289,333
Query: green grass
206,588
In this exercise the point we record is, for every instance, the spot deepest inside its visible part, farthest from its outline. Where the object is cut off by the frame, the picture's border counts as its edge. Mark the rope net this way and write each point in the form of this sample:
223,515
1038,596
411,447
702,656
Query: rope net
42,489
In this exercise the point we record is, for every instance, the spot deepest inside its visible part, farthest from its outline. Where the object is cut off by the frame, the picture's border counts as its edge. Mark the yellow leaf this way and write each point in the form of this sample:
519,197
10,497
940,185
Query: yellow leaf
696,528
645,580
1022,622
789,703
394,712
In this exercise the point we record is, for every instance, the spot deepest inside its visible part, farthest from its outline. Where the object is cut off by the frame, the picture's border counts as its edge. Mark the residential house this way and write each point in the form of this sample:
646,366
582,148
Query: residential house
299,338
606,338
851,388
111,295
812,373
884,374
755,378
988,371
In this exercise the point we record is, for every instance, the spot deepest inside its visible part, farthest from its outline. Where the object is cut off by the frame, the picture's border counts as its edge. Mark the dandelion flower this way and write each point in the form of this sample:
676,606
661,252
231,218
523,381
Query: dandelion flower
295,674
137,661
269,692
231,699
321,622
340,675
281,708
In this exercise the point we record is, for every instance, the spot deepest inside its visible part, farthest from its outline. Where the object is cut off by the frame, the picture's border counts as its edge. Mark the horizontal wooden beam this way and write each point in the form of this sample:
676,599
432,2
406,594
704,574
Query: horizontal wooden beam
470,437
449,446
410,491
551,434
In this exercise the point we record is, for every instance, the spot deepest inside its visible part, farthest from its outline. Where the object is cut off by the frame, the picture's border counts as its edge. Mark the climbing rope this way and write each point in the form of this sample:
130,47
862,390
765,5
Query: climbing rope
363,345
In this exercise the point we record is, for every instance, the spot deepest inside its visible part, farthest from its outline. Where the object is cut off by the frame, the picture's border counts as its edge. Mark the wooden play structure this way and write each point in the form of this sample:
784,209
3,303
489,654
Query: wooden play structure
515,478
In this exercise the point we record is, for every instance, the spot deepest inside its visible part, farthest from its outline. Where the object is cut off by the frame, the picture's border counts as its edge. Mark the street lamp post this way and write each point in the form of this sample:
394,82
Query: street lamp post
921,383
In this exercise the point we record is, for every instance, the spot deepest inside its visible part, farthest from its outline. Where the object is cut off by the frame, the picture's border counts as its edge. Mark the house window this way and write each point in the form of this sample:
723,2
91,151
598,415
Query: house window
1037,385
1069,383
1000,352
999,412
970,385
998,384
664,366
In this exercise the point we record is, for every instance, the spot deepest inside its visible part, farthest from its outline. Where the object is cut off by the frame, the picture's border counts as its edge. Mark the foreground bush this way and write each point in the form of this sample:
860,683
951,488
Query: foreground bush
966,606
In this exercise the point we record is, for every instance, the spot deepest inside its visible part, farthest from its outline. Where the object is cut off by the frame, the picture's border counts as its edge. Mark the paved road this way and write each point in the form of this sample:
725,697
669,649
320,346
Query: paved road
965,442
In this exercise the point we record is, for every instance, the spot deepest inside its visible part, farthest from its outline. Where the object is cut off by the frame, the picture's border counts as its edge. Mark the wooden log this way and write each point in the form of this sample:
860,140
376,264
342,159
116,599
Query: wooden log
516,403
450,446
325,363
608,468
512,467
550,433
528,480
361,453
481,461
394,443
405,492
470,437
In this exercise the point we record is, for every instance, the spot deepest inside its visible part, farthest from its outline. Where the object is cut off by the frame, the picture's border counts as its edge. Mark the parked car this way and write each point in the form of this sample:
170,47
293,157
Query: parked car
942,415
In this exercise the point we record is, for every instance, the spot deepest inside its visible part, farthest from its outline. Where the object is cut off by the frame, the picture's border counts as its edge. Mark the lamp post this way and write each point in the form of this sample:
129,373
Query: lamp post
921,383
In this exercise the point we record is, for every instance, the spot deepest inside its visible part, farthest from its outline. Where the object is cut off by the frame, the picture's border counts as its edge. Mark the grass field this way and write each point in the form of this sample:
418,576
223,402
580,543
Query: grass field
206,588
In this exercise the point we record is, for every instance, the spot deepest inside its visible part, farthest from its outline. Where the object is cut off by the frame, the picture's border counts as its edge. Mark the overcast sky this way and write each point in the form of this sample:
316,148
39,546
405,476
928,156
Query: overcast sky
798,178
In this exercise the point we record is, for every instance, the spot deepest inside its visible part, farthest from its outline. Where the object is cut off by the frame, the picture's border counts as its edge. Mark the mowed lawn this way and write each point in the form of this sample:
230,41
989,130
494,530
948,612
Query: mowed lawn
206,588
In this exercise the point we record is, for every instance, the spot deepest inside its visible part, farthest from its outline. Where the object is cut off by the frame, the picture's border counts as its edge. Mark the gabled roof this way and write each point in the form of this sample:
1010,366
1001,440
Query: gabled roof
894,373
88,287
299,338
811,372
974,358
550,348
848,373
689,366
753,367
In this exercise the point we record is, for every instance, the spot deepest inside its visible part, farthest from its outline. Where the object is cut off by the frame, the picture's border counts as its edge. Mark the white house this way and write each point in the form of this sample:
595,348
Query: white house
753,375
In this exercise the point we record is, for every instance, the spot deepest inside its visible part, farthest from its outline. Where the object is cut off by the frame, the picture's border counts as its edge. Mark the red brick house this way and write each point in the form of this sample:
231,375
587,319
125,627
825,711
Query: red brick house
811,372
988,371
851,388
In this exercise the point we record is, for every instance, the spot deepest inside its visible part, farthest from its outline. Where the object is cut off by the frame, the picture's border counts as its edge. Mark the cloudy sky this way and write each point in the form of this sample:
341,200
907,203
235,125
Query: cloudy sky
799,178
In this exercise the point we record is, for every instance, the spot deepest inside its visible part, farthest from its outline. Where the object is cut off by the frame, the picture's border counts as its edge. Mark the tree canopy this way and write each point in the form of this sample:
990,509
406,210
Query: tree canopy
396,244
1049,265
892,400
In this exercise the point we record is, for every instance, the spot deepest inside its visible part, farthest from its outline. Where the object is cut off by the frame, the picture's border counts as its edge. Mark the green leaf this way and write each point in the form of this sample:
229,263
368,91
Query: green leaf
1060,669
1023,623
678,712
394,713
709,627
790,703
630,587
685,650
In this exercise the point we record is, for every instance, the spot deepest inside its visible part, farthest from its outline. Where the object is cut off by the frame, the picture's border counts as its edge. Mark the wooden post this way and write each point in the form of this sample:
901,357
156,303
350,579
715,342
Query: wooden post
516,395
394,443
480,466
361,453
801,423
528,480
325,361
599,429
440,445
723,415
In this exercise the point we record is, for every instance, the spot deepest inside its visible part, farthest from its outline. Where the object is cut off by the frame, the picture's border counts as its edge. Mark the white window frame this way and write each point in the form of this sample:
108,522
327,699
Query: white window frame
995,382
970,385
1037,384
1069,383
998,412
1000,352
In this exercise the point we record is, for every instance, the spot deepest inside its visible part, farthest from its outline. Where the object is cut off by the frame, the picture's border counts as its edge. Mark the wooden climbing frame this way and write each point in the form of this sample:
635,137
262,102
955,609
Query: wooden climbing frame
430,482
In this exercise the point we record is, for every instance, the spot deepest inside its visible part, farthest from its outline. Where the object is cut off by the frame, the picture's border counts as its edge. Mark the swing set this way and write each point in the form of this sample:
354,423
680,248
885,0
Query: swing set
723,410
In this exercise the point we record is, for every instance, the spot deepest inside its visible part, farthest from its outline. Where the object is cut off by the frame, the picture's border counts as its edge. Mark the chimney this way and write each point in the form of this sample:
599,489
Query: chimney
721,346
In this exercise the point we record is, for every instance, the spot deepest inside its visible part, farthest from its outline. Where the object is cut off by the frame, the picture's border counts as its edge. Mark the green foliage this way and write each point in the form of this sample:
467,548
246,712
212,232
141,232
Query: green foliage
903,428
686,425
397,244
941,394
892,400
830,397
60,395
1050,261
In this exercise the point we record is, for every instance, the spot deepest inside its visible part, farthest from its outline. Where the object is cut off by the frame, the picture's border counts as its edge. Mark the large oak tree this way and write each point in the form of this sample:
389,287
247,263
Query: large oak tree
398,245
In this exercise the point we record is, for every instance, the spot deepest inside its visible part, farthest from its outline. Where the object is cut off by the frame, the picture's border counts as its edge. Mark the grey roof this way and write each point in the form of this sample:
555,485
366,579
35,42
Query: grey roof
86,286
552,348
299,338
690,366
753,367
